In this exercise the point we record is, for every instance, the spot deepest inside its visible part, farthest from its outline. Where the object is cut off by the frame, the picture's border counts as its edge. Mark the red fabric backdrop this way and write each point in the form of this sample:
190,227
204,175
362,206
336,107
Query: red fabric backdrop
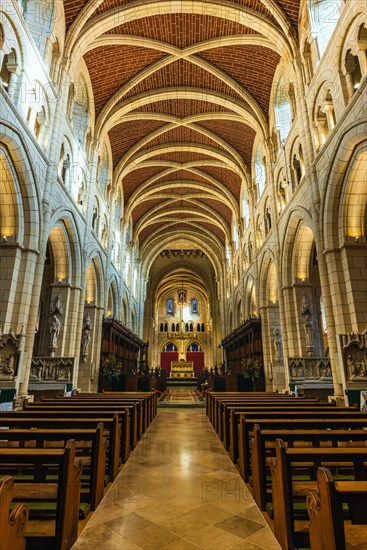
198,358
166,358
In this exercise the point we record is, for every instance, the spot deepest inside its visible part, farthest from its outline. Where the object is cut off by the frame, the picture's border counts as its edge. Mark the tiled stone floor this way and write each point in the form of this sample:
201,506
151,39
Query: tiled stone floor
184,395
178,491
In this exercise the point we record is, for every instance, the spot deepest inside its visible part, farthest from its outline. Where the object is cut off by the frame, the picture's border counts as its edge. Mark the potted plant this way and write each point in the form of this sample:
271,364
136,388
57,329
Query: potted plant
250,372
112,371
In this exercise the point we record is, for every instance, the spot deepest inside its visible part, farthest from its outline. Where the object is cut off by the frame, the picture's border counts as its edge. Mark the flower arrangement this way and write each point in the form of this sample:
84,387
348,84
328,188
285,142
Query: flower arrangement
250,368
111,369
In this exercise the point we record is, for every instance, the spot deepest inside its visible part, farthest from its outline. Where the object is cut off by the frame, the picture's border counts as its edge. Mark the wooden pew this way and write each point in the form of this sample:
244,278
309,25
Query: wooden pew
13,522
307,414
247,426
111,425
150,397
93,457
80,414
137,408
224,425
60,499
328,530
261,451
212,396
93,410
285,491
220,404
134,406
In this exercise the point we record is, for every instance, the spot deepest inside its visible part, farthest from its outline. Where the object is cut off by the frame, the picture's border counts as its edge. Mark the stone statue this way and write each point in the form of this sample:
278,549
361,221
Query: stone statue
277,335
7,366
54,328
57,307
306,314
86,335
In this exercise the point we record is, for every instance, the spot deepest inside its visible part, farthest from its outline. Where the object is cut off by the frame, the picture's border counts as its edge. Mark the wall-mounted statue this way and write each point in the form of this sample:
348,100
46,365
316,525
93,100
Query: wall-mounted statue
57,307
306,314
86,336
277,337
54,330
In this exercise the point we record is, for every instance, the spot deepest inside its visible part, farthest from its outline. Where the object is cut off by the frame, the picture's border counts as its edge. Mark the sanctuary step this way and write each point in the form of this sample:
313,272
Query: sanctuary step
174,382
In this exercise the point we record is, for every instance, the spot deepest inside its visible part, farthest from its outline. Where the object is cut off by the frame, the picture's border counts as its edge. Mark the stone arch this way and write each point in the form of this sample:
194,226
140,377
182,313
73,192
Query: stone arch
11,56
296,217
301,284
112,306
66,219
250,298
124,311
354,140
323,114
11,201
344,223
353,204
239,310
23,191
353,57
282,108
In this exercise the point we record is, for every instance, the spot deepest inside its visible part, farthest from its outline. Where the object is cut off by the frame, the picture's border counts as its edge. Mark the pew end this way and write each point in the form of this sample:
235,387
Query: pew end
325,510
13,522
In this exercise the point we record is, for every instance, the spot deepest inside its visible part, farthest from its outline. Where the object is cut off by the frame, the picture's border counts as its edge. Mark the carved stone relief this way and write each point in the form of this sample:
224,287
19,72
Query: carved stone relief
9,354
354,346
52,369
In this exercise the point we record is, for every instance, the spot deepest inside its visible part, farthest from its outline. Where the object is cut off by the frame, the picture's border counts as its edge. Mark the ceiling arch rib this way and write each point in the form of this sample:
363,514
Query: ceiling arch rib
201,130
186,89
208,232
125,107
158,243
160,212
148,188
121,172
204,240
160,64
239,14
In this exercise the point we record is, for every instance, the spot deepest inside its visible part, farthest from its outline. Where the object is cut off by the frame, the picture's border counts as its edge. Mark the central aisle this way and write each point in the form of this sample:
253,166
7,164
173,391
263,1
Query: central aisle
178,491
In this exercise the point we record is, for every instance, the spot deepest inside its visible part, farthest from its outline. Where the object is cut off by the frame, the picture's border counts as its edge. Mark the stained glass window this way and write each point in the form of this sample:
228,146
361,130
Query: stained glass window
170,306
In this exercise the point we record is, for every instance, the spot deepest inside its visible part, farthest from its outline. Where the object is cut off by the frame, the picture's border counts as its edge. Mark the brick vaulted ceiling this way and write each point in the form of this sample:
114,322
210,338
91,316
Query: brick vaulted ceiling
181,89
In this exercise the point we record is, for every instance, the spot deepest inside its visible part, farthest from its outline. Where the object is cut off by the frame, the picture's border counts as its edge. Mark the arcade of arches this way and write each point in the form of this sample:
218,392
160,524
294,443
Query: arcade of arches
174,174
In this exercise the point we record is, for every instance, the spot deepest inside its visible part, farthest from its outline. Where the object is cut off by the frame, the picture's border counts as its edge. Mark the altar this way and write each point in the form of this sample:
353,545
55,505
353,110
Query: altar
182,369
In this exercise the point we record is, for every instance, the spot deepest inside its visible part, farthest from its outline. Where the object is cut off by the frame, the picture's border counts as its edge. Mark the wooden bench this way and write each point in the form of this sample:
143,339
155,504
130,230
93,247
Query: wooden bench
247,426
136,407
149,398
216,402
222,403
111,430
263,446
342,413
224,424
93,410
69,414
211,396
57,500
286,492
328,531
13,521
93,456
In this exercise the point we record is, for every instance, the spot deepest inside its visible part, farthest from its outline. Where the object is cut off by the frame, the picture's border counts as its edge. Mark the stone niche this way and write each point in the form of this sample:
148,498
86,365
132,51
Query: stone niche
9,358
354,348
